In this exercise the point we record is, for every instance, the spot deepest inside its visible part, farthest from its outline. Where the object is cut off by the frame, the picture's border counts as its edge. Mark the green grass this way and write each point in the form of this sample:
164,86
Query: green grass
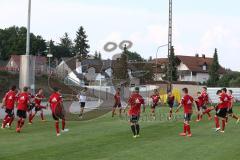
109,138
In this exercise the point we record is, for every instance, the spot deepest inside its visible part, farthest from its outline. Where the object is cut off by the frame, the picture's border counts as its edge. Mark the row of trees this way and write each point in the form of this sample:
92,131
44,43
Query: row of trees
13,41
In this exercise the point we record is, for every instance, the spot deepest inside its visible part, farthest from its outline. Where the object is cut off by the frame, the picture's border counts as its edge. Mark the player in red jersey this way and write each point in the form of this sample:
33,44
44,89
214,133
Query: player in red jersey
187,103
199,102
22,107
9,103
31,106
170,102
155,100
221,109
117,103
230,106
55,101
135,101
38,107
206,101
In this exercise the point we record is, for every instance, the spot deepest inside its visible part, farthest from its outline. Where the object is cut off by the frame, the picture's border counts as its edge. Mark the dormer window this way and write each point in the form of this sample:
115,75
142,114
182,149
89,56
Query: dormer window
204,67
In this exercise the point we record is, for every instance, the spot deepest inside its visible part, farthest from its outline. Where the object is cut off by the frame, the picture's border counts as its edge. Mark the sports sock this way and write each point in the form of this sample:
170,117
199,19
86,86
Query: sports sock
21,123
30,117
133,129
137,128
63,124
42,116
223,124
10,122
188,129
216,122
57,127
184,128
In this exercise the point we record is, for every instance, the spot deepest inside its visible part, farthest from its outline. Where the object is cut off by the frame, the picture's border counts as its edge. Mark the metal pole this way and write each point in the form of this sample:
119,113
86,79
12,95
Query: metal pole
157,56
28,28
49,65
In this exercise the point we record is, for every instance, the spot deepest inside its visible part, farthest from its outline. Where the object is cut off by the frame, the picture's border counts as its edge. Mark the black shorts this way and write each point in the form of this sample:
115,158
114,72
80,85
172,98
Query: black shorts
170,105
55,117
204,107
82,104
134,119
222,112
230,111
31,106
154,105
117,105
37,109
10,112
187,116
22,114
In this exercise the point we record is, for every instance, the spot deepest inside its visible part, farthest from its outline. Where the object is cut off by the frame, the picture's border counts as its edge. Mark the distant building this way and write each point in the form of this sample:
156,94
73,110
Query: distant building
190,68
14,63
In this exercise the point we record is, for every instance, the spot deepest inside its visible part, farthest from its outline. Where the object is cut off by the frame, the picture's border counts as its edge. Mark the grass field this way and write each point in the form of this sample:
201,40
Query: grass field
109,138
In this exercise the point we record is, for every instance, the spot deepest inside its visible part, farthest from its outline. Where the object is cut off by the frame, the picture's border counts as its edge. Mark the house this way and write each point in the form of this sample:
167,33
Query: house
14,63
190,68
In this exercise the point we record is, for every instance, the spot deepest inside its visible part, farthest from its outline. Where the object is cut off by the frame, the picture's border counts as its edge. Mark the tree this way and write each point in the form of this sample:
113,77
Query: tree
227,79
97,55
214,71
65,46
81,43
171,72
134,56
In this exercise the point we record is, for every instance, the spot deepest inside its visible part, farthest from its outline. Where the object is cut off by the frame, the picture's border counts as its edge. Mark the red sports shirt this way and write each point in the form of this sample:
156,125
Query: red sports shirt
117,98
200,101
23,100
205,98
231,98
223,101
38,99
136,102
187,102
54,100
155,98
10,99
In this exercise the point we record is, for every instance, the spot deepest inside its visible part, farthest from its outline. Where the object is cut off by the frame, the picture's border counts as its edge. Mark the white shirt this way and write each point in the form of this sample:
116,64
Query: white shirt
82,97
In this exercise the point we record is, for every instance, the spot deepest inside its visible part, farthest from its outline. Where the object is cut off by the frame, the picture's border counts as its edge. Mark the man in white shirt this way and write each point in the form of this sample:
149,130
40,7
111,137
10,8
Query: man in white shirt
82,101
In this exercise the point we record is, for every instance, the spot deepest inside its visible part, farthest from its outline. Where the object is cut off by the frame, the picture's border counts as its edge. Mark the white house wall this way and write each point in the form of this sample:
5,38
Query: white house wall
182,67
202,77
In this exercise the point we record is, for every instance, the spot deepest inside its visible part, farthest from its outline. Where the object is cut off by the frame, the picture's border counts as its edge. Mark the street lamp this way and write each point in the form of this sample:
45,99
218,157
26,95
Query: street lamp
157,55
49,56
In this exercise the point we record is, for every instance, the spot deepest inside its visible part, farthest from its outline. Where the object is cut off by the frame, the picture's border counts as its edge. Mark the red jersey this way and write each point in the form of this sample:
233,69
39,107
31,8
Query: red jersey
187,102
205,98
117,98
54,100
155,98
199,101
223,101
23,100
10,99
231,99
38,99
136,102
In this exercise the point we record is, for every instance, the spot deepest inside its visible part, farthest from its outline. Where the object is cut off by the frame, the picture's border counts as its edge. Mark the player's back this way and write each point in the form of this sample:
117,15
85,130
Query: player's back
10,99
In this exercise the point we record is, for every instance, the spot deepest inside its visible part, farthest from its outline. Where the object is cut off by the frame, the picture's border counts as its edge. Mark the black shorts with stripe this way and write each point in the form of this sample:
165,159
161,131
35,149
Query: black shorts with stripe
10,112
187,116
134,118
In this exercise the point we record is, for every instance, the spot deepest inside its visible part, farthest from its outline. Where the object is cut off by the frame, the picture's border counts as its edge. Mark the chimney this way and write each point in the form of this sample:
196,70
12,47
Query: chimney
203,56
196,55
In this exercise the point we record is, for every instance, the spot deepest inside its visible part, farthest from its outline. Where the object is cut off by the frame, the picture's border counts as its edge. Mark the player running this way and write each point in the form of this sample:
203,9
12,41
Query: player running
56,103
135,101
206,101
117,103
221,109
230,106
187,103
199,102
155,101
22,107
9,103
170,102
38,107
82,101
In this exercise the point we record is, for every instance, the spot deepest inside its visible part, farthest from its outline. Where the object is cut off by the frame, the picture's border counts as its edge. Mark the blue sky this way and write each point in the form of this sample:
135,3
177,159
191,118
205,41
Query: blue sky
199,26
